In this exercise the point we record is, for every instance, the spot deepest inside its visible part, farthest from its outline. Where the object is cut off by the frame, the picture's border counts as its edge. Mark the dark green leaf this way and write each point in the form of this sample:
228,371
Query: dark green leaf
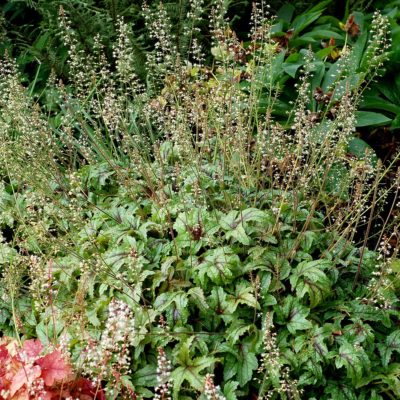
392,344
369,118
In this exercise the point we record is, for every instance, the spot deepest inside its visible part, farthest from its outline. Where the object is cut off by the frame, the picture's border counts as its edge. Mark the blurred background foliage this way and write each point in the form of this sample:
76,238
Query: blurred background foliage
30,32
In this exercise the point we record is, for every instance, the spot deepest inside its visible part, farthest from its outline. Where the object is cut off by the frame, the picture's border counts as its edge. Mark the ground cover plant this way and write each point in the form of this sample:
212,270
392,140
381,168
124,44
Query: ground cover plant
217,230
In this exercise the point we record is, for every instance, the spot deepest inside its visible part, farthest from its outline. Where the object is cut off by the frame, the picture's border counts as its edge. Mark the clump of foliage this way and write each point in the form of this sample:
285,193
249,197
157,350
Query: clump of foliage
186,236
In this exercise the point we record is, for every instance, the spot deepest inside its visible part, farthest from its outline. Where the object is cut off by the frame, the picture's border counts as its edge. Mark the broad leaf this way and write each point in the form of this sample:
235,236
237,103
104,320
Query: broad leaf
189,371
293,314
219,265
369,118
242,365
230,390
54,368
309,278
392,343
354,359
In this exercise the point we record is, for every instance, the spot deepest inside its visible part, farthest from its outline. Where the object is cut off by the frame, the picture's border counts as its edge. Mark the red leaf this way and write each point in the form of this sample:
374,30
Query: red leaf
4,355
21,395
32,347
25,375
3,352
54,368
84,387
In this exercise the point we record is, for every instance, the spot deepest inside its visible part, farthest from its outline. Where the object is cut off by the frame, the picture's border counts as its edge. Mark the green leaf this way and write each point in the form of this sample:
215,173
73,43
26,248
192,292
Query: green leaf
375,102
228,222
303,20
189,370
92,317
294,315
234,223
390,90
196,294
322,34
7,254
179,312
307,240
230,390
369,312
391,379
126,382
309,277
240,366
325,52
339,391
46,332
369,118
396,122
251,214
360,148
146,376
333,74
321,5
219,265
354,359
286,12
236,330
337,181
163,301
239,234
247,363
291,68
392,343
221,303
244,294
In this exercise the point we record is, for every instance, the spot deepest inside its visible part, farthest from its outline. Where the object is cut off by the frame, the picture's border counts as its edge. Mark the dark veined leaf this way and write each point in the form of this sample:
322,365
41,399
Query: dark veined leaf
189,369
237,329
221,303
191,374
309,278
197,296
244,294
338,391
354,359
242,365
219,265
369,312
391,378
392,344
293,314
